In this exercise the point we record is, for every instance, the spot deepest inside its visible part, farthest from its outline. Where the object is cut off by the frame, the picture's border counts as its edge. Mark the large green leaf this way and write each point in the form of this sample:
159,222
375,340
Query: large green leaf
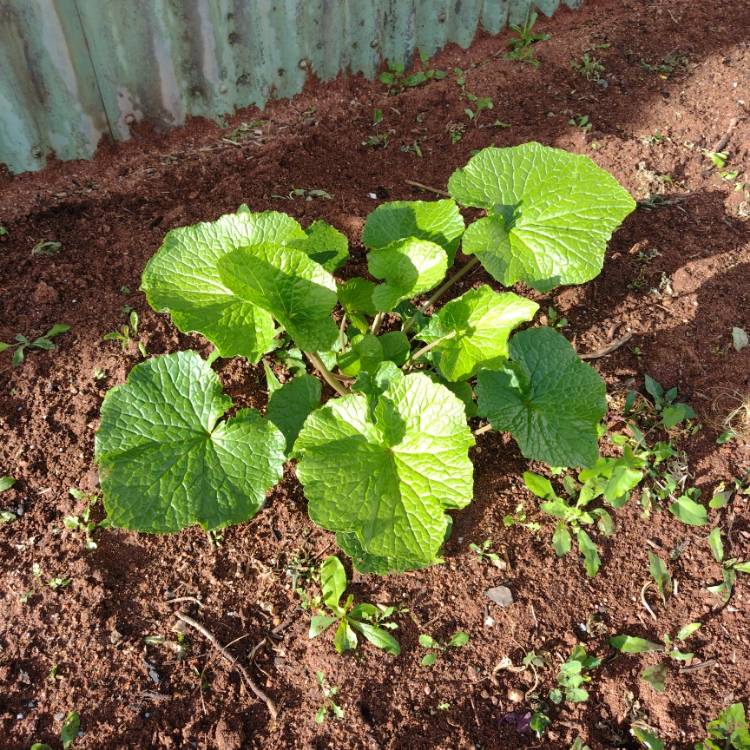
478,324
551,213
388,479
324,244
367,563
286,282
409,267
183,279
167,459
437,221
548,399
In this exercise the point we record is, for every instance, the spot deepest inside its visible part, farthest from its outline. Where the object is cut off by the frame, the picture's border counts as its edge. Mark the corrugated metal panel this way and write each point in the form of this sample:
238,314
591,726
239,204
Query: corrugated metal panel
74,70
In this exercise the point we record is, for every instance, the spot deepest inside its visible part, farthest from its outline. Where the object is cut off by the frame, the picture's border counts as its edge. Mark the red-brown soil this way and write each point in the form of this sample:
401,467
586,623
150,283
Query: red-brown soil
110,215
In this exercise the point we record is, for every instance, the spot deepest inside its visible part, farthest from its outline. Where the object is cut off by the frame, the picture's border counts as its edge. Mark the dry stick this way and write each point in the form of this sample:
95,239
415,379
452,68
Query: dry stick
427,188
484,428
270,705
700,665
328,376
607,349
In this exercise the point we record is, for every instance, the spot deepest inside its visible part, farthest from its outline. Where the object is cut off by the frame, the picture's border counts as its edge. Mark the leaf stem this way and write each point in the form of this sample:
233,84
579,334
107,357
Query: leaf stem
428,348
342,329
327,375
429,189
441,290
484,428
376,323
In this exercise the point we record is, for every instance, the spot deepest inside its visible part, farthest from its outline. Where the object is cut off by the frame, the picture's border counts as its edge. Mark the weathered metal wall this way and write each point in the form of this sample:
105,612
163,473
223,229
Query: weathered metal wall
74,70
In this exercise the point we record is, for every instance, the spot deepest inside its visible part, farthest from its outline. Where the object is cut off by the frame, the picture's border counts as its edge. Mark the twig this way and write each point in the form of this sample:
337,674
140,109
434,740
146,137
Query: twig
184,599
427,188
607,349
484,428
243,672
700,665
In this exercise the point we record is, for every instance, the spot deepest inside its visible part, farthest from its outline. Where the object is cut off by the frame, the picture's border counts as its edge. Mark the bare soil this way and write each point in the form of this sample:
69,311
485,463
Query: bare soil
676,277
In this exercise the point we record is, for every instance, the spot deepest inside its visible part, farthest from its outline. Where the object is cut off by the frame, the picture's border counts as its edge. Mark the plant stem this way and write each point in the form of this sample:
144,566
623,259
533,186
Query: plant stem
328,376
429,189
441,290
342,329
376,323
484,428
428,347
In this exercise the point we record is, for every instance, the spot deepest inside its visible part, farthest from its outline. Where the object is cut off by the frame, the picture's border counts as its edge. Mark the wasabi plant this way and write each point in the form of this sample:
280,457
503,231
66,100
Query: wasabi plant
385,459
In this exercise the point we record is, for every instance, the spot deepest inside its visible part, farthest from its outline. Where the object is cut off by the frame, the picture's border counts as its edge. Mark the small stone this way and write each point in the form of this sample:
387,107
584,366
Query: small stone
44,294
501,595
515,695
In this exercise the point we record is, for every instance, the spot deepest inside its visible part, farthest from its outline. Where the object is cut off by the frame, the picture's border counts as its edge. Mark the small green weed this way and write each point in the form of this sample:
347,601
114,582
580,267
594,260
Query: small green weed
329,706
521,46
590,67
729,566
435,647
730,729
397,80
128,333
43,342
572,676
369,620
484,553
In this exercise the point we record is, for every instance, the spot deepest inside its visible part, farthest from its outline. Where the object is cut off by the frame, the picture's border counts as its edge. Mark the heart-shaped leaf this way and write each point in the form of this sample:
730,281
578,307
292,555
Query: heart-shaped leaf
437,221
551,213
548,399
168,460
475,328
409,267
407,463
182,278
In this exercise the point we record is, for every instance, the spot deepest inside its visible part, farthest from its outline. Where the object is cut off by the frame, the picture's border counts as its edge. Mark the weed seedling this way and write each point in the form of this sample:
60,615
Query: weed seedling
590,67
435,647
484,552
668,65
670,412
396,80
611,479
572,676
581,122
729,731
84,522
68,733
369,620
127,333
656,675
50,247
729,567
555,320
329,692
521,46
43,342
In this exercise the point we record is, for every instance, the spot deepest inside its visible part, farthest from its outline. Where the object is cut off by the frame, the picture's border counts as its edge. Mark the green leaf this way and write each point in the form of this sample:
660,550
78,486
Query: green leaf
355,296
551,213
183,279
380,638
548,399
6,483
715,544
742,567
40,745
366,354
345,638
660,574
649,740
404,467
70,728
167,460
285,282
479,323
621,481
676,413
395,346
630,644
687,630
320,623
458,639
428,659
290,405
656,676
587,548
408,267
576,695
561,541
689,511
427,641
539,485
332,580
324,244
272,382
437,221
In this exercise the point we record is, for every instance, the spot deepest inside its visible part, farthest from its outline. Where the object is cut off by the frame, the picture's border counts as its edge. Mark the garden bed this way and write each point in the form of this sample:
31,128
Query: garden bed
675,83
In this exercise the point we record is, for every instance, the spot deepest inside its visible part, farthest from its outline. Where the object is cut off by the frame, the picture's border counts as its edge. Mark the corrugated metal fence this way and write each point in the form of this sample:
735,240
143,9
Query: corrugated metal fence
74,70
